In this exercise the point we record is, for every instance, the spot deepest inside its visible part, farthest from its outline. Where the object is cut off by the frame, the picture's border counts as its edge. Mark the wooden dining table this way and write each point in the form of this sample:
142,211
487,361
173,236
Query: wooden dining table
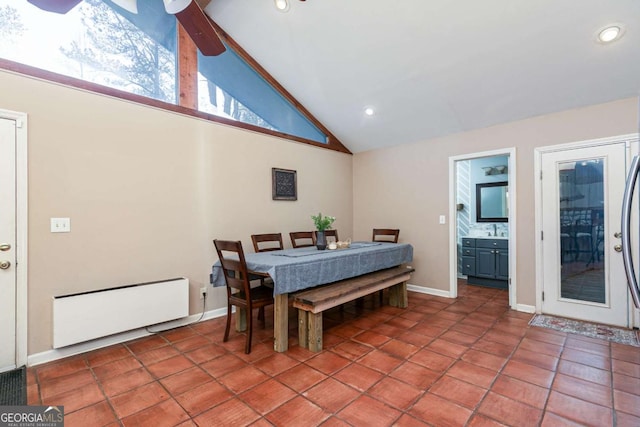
296,269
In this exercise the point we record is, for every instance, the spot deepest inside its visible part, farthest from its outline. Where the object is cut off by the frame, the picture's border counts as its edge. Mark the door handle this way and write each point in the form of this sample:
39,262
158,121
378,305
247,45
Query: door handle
617,248
5,264
5,247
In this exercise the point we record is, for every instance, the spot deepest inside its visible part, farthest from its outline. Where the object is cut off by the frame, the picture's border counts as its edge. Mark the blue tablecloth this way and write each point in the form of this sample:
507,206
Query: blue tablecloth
296,269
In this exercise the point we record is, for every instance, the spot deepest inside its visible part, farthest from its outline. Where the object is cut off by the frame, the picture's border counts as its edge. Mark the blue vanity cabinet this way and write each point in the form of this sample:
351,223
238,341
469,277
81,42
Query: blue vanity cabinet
486,263
491,258
502,264
468,257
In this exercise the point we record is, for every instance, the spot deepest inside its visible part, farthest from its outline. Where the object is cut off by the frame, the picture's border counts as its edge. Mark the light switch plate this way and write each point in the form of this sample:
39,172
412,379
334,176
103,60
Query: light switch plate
443,219
60,225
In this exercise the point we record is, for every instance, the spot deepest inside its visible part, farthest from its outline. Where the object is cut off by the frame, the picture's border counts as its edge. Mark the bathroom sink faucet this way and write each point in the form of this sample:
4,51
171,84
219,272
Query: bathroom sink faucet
495,229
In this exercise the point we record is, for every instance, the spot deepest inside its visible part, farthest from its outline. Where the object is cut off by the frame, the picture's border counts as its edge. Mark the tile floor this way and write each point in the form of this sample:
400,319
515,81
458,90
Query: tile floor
441,362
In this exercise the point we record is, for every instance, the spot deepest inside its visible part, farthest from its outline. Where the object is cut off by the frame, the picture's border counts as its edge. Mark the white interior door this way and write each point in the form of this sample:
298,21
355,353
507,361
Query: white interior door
583,275
7,244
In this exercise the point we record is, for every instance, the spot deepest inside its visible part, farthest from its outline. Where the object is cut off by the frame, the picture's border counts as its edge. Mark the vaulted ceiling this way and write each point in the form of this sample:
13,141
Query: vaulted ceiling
431,68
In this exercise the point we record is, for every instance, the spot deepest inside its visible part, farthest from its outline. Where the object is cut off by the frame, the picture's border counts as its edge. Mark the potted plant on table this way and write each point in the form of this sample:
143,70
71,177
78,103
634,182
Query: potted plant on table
322,223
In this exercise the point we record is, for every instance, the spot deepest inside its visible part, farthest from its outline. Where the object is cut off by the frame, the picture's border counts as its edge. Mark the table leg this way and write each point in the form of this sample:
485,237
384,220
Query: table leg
281,323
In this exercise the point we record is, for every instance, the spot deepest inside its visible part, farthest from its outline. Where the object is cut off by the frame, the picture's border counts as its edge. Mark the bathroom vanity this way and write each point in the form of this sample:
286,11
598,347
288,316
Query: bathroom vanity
485,261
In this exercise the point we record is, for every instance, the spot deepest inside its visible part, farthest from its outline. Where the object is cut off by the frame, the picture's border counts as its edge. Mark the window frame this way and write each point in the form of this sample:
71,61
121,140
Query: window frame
187,89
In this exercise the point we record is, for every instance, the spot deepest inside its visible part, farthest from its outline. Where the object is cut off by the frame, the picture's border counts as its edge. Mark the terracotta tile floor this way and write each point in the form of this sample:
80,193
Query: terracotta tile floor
469,361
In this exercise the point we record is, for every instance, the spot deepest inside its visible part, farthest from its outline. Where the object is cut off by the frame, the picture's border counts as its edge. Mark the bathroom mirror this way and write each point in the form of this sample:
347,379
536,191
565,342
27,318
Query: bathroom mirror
492,202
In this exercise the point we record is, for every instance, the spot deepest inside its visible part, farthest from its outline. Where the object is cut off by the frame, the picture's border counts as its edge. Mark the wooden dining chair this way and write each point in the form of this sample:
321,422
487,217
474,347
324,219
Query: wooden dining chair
273,242
385,235
302,239
328,233
239,290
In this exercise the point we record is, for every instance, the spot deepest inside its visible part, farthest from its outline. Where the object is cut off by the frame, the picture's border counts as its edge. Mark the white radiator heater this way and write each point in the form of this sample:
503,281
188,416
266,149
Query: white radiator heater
95,314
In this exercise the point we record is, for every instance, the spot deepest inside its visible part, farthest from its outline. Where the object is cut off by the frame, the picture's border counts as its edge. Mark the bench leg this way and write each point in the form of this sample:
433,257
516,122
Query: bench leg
241,319
303,329
398,295
314,337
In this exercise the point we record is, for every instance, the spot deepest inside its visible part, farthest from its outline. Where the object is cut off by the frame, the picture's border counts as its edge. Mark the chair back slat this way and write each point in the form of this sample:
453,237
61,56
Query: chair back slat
385,235
273,241
302,239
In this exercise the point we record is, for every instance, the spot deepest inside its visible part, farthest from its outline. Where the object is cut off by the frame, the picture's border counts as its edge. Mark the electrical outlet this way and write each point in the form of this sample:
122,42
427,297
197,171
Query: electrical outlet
203,292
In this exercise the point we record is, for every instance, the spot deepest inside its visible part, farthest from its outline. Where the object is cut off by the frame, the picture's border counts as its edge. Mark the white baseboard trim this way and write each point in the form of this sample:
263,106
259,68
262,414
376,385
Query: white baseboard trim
429,291
55,354
526,308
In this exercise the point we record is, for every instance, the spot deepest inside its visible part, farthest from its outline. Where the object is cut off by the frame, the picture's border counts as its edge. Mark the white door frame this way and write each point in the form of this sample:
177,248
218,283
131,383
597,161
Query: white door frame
453,246
631,141
21,233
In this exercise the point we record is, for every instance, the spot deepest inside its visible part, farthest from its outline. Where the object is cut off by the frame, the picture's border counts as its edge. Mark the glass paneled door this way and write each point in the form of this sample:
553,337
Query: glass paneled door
583,275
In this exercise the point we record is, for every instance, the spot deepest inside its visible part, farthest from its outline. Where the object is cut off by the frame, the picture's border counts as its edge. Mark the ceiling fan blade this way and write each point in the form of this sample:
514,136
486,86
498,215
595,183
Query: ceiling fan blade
196,23
56,6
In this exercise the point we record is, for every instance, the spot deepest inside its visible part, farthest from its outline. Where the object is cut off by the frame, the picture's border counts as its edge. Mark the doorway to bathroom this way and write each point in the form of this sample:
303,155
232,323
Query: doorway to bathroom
482,228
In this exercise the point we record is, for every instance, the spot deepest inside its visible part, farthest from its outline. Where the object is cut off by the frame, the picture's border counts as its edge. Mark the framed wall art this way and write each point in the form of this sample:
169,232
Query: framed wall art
284,185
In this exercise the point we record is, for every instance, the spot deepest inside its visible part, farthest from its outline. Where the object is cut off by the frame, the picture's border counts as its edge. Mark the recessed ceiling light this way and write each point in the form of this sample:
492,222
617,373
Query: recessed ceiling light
368,111
610,34
282,5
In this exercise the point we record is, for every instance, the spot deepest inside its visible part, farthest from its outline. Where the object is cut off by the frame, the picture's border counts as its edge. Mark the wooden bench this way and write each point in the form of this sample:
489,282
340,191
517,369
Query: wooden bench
311,303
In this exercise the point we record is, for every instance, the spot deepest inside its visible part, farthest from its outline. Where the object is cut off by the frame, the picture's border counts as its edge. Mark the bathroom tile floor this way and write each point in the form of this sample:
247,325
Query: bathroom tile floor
465,361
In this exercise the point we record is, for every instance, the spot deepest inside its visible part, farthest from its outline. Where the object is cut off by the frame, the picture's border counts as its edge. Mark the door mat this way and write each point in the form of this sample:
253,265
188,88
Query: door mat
593,330
13,387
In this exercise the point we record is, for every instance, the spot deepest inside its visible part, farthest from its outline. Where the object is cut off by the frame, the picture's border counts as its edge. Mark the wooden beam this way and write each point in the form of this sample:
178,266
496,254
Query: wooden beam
187,70
203,3
199,27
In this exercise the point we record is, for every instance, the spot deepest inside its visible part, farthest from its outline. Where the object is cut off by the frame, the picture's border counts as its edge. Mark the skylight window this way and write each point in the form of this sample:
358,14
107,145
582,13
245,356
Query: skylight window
100,42
235,90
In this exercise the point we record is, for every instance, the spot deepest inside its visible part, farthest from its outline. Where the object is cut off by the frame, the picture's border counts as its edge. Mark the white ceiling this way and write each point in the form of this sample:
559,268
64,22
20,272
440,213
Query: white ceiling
432,68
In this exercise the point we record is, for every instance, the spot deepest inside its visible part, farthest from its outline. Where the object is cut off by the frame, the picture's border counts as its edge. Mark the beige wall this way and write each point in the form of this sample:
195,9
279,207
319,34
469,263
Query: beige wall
407,187
148,190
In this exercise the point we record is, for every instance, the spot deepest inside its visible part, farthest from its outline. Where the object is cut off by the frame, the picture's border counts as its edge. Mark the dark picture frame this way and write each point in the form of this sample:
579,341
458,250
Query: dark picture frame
284,184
